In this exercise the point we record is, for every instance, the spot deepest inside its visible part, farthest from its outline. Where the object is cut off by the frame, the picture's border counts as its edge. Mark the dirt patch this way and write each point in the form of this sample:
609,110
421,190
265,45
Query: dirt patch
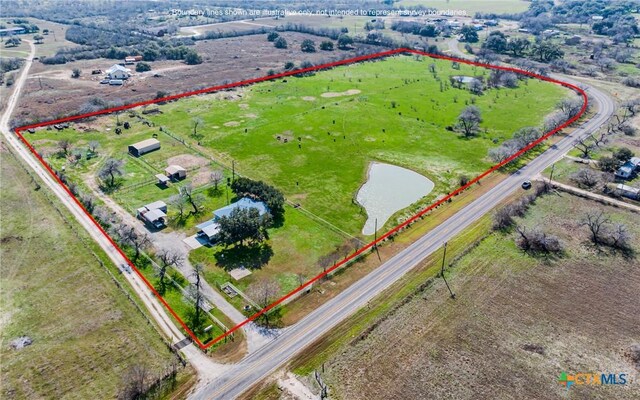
201,177
244,106
231,123
309,98
251,115
187,161
633,355
285,136
349,92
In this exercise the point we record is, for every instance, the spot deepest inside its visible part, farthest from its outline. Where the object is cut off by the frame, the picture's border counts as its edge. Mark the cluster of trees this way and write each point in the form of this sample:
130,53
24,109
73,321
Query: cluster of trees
503,219
415,28
272,197
542,50
520,139
13,41
9,64
604,232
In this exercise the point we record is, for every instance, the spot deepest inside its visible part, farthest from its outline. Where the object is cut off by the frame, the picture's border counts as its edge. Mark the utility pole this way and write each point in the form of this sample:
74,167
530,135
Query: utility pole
444,255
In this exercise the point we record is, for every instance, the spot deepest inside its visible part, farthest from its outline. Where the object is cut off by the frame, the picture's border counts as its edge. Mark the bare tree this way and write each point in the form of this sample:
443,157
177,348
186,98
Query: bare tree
135,383
130,236
584,147
168,258
179,203
216,178
570,107
264,292
64,146
194,199
596,221
93,146
502,219
110,170
197,121
469,120
196,294
586,178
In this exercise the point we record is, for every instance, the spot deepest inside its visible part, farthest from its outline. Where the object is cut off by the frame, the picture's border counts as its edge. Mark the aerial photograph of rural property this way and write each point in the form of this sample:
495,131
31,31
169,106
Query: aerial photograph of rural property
320,199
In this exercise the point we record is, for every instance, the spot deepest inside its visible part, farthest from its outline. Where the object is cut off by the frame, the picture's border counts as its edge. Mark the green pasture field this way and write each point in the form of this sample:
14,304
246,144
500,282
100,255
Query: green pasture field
471,6
335,122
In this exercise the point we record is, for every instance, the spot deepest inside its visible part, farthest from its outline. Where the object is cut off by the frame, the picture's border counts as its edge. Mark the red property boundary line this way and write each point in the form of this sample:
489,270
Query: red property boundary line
247,82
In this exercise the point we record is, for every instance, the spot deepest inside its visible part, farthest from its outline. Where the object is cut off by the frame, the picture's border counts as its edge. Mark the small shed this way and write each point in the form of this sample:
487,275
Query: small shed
162,179
175,172
208,229
153,214
146,146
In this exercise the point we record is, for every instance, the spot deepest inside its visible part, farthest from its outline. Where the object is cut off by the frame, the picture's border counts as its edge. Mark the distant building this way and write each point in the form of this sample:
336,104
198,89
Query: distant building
208,229
154,214
163,180
573,40
117,71
597,18
628,169
175,172
132,59
146,146
628,191
12,31
491,22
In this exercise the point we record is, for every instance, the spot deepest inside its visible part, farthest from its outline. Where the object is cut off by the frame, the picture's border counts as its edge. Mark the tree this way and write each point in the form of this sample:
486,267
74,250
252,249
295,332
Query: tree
517,46
584,147
272,36
596,221
326,45
263,292
570,107
271,196
469,120
509,79
586,178
194,199
143,67
344,42
608,164
216,177
12,42
476,87
179,203
605,63
280,43
110,170
195,292
134,383
38,38
93,146
496,41
546,51
168,258
129,236
243,224
75,73
192,58
469,34
502,219
429,30
196,121
537,241
623,154
308,46
64,145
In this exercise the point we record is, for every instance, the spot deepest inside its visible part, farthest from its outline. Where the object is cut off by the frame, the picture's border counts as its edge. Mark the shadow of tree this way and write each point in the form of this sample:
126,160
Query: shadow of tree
251,256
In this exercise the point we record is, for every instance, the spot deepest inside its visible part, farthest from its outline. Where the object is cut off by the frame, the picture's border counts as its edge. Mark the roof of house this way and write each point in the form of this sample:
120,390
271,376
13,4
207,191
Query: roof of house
211,230
205,224
154,215
635,161
117,67
162,178
629,189
625,170
145,143
245,202
156,205
14,29
172,169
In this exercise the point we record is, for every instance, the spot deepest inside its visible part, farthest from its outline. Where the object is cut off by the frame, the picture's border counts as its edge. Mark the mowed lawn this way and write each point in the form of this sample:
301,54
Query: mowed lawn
390,110
85,332
518,321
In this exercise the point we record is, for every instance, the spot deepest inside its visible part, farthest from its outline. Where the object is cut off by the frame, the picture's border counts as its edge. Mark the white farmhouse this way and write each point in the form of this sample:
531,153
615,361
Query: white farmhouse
117,71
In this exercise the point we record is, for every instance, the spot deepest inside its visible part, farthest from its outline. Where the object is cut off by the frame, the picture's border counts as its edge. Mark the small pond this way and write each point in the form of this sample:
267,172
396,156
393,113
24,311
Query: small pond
389,189
464,79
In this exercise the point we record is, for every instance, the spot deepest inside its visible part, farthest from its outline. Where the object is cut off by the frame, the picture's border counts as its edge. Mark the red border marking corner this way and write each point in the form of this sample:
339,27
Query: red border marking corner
247,82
